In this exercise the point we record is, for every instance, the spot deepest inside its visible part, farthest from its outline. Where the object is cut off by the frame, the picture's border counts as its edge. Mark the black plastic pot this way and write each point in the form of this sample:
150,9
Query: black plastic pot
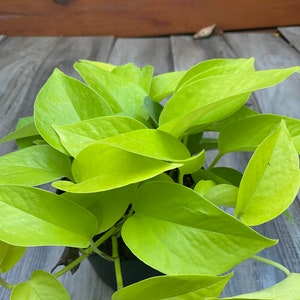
133,270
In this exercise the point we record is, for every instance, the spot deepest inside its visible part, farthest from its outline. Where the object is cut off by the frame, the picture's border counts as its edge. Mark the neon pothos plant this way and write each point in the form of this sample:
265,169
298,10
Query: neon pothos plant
130,167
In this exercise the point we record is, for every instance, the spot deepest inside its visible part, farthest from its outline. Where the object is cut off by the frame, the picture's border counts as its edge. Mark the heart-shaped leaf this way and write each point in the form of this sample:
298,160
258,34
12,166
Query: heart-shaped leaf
77,136
205,103
100,167
34,217
65,100
122,93
176,231
271,180
34,166
41,286
214,67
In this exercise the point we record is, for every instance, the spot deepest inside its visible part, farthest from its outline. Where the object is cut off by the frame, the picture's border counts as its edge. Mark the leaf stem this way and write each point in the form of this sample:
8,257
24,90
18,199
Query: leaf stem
6,285
70,266
272,263
117,263
214,162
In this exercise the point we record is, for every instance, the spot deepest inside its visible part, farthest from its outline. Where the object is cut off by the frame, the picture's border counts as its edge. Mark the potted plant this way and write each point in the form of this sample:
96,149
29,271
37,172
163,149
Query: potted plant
129,168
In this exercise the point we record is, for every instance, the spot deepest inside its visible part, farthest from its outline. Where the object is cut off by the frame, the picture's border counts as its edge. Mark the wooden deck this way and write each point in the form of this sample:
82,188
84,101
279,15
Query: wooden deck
26,62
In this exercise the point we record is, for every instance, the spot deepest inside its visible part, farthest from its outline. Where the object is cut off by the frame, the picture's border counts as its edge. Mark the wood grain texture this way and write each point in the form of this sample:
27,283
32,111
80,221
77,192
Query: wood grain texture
141,18
142,51
292,34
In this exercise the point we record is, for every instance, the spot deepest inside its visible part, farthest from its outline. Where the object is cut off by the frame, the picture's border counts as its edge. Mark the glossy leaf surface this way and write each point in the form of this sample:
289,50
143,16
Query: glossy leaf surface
205,103
214,67
150,143
34,217
176,231
271,180
207,90
34,166
9,256
165,84
121,92
246,134
174,287
41,286
77,136
222,195
100,167
65,100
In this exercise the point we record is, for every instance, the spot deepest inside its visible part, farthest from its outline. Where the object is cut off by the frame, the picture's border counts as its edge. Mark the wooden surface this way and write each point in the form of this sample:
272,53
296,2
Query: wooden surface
26,62
140,18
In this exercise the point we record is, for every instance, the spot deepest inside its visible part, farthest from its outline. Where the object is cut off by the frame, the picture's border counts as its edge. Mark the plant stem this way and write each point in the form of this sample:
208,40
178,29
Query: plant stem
115,255
272,263
6,285
214,162
106,236
70,266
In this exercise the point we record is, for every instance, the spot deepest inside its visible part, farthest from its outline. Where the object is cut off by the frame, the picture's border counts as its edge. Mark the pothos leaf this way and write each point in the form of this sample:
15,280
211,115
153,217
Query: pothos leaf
172,220
9,256
41,286
271,180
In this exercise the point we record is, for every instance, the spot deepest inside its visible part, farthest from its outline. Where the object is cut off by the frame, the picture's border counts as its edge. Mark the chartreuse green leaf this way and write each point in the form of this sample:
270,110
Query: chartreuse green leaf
34,166
100,167
122,94
205,103
77,136
207,90
25,128
151,143
176,231
246,134
9,256
142,76
65,100
108,207
242,113
165,84
41,286
271,180
193,164
174,287
203,186
214,67
35,217
289,288
222,195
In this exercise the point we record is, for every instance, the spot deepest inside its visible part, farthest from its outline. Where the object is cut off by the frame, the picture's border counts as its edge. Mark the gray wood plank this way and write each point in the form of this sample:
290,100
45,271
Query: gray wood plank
19,60
142,51
188,51
271,52
292,35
